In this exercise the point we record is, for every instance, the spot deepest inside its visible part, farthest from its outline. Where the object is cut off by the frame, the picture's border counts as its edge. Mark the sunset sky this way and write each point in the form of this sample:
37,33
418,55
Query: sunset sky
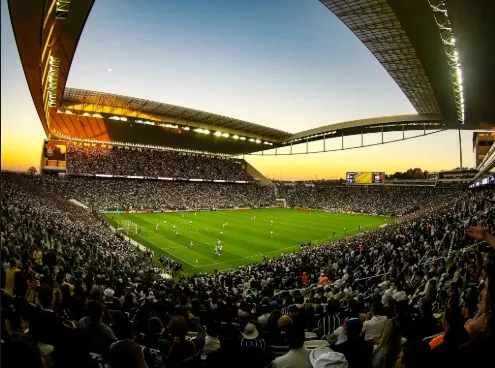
287,64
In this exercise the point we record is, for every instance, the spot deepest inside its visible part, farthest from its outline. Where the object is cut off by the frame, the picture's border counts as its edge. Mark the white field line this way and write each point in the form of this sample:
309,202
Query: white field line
160,247
164,249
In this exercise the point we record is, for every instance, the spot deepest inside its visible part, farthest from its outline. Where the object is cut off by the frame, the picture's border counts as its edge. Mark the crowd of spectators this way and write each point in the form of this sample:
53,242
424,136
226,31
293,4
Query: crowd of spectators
76,295
366,199
85,158
101,193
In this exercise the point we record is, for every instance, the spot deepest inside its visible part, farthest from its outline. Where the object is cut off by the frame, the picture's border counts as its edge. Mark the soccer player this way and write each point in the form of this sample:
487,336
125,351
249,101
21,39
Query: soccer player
177,232
206,228
220,249
165,222
223,226
156,226
215,250
271,233
190,222
221,233
191,244
254,218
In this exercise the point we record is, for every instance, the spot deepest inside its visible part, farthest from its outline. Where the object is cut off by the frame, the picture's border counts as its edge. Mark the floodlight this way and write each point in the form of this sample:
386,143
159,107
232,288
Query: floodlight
217,134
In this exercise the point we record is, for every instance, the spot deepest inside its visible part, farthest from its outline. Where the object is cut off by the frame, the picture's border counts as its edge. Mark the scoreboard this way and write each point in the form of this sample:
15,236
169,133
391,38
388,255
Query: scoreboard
365,177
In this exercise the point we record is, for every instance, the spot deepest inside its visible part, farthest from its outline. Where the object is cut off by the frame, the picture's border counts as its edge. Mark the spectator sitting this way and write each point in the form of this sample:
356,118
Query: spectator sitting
298,355
374,326
231,354
212,343
357,351
98,335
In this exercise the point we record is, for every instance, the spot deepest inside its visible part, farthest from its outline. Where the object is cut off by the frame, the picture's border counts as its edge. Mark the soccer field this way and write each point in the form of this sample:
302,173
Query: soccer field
244,240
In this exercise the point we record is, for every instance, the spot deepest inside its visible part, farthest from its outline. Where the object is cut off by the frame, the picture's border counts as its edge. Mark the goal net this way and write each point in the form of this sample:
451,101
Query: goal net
128,227
281,202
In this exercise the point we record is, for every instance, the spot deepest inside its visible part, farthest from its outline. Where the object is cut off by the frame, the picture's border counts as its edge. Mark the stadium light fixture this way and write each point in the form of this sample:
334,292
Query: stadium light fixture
235,137
186,128
123,118
139,121
217,134
444,25
97,116
68,112
257,141
226,135
242,138
251,139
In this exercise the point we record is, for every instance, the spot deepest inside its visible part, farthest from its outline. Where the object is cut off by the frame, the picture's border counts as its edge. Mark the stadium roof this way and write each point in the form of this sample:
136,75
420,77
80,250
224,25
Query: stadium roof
422,44
137,107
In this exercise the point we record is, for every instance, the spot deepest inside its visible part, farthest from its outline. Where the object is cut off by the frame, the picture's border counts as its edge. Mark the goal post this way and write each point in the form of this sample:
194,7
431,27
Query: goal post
127,227
281,202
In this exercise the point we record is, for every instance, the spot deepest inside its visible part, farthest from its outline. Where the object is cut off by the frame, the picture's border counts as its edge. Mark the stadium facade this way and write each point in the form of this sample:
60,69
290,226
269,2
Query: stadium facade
429,48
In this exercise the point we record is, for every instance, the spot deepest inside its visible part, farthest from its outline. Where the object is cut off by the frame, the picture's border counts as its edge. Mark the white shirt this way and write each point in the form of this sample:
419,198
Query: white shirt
295,358
374,327
341,335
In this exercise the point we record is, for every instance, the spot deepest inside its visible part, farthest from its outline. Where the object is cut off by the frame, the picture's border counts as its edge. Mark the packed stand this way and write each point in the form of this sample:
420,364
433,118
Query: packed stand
362,199
98,193
123,160
417,293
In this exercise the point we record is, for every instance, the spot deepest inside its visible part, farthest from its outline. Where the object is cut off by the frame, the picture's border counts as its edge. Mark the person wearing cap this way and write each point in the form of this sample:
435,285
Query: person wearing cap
323,279
298,355
325,357
110,302
231,353
250,338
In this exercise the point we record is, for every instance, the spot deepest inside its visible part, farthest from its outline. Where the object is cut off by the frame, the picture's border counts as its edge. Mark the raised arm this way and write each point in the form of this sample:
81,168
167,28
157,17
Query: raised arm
478,233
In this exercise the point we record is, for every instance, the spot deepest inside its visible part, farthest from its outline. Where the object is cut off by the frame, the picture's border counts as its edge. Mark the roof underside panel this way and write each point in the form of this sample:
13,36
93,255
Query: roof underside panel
162,111
376,25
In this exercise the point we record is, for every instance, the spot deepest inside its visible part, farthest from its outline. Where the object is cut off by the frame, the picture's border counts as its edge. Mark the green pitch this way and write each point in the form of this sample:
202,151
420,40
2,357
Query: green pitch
244,240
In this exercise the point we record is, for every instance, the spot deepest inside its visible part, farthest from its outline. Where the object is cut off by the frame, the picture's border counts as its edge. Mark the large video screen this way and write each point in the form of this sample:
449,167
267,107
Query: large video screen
55,150
365,177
